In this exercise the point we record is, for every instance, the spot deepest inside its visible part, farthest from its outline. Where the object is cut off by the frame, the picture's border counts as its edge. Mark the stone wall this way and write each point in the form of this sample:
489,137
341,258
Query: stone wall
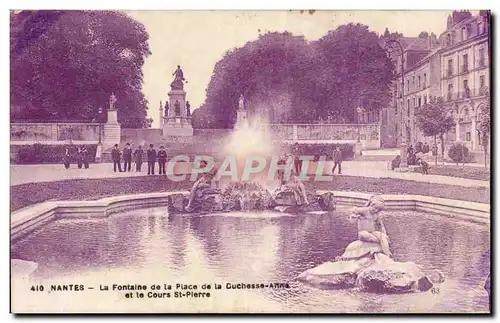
369,134
140,136
50,132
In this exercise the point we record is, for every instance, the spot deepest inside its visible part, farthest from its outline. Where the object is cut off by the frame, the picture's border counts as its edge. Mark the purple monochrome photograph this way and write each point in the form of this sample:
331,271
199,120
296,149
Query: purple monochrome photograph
284,162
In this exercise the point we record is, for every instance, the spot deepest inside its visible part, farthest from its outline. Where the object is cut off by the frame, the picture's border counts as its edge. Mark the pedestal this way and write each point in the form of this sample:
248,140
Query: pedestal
177,123
112,130
177,126
98,153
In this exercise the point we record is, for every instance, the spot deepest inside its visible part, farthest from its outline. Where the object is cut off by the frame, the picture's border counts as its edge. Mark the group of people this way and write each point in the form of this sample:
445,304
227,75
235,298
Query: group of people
152,157
414,156
82,158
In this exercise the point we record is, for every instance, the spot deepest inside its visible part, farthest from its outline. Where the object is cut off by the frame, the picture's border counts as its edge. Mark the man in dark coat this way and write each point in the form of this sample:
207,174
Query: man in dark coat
66,159
127,158
115,156
85,157
337,159
79,157
151,160
138,158
162,160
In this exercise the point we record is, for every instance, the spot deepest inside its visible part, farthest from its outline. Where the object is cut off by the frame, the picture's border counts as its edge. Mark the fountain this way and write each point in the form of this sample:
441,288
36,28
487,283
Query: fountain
366,266
250,139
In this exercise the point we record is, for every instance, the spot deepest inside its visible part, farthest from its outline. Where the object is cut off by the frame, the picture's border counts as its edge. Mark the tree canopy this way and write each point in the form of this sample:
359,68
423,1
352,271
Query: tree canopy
66,64
434,119
300,81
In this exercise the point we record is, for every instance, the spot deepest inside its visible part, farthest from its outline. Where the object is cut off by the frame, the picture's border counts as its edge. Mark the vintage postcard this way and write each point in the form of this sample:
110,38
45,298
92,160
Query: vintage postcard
294,161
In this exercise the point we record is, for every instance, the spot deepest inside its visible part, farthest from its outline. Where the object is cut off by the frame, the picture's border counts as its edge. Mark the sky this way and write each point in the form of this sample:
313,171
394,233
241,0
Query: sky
196,40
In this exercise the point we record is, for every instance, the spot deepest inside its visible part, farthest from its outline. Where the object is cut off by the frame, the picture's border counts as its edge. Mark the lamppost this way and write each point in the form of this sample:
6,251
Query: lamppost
359,111
403,148
99,119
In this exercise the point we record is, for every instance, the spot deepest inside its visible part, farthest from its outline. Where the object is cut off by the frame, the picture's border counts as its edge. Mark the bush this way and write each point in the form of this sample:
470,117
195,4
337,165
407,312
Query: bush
459,153
50,154
318,150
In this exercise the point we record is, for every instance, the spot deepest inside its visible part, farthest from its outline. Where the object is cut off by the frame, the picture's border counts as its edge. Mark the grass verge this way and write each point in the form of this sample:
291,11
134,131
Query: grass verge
91,189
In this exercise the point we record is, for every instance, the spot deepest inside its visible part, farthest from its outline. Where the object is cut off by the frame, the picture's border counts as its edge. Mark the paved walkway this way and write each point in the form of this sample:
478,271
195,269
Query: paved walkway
21,174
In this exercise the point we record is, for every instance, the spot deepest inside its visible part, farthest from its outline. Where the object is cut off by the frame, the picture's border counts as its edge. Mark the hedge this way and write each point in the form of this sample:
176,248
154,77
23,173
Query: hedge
49,154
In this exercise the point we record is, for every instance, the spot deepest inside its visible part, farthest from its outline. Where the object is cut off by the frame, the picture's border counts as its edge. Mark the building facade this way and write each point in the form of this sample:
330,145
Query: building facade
455,67
465,75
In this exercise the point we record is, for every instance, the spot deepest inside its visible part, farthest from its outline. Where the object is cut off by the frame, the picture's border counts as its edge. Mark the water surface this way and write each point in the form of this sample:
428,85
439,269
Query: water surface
146,246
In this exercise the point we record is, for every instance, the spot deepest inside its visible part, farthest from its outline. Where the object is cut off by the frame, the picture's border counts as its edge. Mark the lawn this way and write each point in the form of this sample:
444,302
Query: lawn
90,189
479,173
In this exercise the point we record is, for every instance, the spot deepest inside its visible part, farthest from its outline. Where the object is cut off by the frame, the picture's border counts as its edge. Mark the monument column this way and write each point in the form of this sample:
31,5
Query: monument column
112,129
178,123
160,115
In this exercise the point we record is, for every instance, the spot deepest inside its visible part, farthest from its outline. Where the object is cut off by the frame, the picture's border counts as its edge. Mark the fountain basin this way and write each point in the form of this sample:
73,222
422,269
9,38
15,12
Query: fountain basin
28,219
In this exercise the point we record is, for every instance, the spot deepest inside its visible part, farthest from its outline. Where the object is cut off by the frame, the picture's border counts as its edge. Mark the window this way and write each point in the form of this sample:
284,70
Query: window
414,102
481,81
465,67
419,83
425,99
425,79
450,91
450,67
419,101
467,136
408,104
481,57
413,79
466,89
407,86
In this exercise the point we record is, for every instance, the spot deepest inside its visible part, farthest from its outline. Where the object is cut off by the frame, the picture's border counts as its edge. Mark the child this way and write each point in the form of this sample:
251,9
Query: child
370,225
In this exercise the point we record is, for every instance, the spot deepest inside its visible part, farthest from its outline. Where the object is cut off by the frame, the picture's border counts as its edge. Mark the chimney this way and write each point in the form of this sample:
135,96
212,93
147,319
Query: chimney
432,41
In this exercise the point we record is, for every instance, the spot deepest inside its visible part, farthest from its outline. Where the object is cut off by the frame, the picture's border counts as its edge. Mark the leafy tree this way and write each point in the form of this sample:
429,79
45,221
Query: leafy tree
423,34
65,65
434,120
355,71
299,81
485,128
459,153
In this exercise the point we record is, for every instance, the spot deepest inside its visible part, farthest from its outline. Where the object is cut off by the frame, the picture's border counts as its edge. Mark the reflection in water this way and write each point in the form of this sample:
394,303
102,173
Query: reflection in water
146,244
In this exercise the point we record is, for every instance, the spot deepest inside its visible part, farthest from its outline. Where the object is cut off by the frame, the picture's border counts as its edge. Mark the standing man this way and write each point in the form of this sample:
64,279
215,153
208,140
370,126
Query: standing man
85,157
127,158
66,159
162,160
151,160
79,157
138,158
337,159
115,156
297,163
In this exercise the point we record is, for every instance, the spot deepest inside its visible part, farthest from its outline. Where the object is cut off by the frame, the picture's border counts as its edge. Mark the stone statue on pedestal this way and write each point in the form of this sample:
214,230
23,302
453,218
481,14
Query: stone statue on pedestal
188,109
178,83
166,109
112,102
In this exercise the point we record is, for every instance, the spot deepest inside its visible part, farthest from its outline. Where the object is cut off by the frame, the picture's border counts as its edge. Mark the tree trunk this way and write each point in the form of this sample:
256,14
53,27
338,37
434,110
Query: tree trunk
435,143
485,145
441,137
